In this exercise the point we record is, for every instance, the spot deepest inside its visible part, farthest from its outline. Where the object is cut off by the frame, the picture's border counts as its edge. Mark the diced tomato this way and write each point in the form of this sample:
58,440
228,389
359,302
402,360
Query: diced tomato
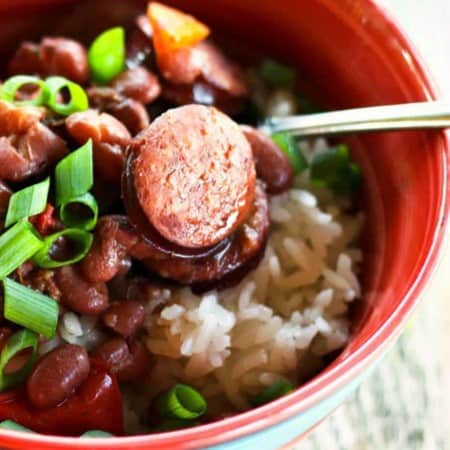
44,222
97,405
173,29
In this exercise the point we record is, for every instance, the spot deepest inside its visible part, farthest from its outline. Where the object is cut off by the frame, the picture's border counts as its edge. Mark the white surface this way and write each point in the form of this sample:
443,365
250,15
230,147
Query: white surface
405,405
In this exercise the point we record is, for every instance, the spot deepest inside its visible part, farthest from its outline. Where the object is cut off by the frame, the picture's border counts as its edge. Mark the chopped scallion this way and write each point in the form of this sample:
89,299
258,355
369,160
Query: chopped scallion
27,202
17,245
272,392
78,97
19,341
333,169
71,240
107,55
12,85
290,147
74,175
29,308
181,402
72,212
10,425
277,74
96,434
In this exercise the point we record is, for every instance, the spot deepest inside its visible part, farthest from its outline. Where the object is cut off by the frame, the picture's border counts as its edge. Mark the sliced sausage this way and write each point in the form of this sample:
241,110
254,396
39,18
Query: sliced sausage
130,112
66,58
125,317
242,253
109,136
139,84
57,375
80,295
18,119
194,175
53,56
272,165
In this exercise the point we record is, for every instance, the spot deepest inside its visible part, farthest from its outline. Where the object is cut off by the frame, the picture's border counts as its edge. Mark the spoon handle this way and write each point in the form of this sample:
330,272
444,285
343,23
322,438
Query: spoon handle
435,114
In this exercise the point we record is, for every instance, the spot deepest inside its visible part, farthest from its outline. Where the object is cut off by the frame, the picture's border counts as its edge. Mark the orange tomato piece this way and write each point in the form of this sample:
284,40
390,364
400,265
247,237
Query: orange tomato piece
173,29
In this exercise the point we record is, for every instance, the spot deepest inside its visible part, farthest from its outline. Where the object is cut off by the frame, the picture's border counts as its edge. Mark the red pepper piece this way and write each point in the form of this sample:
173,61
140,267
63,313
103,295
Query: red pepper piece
44,222
97,405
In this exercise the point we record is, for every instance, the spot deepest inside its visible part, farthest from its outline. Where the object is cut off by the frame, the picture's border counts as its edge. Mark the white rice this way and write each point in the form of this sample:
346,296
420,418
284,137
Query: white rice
280,320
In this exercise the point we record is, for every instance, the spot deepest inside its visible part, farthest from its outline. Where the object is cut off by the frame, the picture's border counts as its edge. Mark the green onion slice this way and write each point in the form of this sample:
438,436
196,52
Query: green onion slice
333,168
96,434
12,85
290,147
181,402
107,55
277,74
17,245
274,391
72,240
78,97
19,341
29,308
80,212
10,425
27,202
74,175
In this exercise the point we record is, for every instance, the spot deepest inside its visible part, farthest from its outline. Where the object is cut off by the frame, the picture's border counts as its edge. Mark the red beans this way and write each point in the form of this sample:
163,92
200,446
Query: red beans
194,175
203,74
129,111
57,375
27,147
53,56
104,259
139,84
66,58
5,194
130,361
80,295
125,318
110,138
272,165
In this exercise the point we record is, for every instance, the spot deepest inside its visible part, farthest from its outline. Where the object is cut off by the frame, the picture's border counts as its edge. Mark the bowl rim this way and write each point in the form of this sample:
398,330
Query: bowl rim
325,383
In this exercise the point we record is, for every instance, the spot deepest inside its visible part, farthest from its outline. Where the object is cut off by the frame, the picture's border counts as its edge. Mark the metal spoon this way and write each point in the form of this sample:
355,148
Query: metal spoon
407,116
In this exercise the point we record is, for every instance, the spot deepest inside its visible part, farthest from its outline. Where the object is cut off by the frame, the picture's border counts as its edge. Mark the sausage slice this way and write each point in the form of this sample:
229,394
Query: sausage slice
194,175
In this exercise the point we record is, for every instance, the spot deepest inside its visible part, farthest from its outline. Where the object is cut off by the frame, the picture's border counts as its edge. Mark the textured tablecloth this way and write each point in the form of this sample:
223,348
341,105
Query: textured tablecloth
405,403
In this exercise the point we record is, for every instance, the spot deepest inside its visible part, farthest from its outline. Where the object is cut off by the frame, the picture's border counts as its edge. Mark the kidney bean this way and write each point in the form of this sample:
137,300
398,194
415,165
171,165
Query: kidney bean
109,136
57,375
53,56
140,45
115,353
139,84
104,259
138,365
131,113
129,361
272,165
125,318
66,58
80,295
5,194
26,60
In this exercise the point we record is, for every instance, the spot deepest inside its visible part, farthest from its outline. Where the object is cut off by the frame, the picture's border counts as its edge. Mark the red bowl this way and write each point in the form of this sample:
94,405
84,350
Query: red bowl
351,53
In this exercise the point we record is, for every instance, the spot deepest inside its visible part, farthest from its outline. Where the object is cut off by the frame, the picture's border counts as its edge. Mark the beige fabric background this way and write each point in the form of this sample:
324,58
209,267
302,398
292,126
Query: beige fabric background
405,404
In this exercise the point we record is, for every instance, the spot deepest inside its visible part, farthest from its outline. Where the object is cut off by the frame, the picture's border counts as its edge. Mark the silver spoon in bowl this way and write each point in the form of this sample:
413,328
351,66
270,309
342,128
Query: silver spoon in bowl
407,116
